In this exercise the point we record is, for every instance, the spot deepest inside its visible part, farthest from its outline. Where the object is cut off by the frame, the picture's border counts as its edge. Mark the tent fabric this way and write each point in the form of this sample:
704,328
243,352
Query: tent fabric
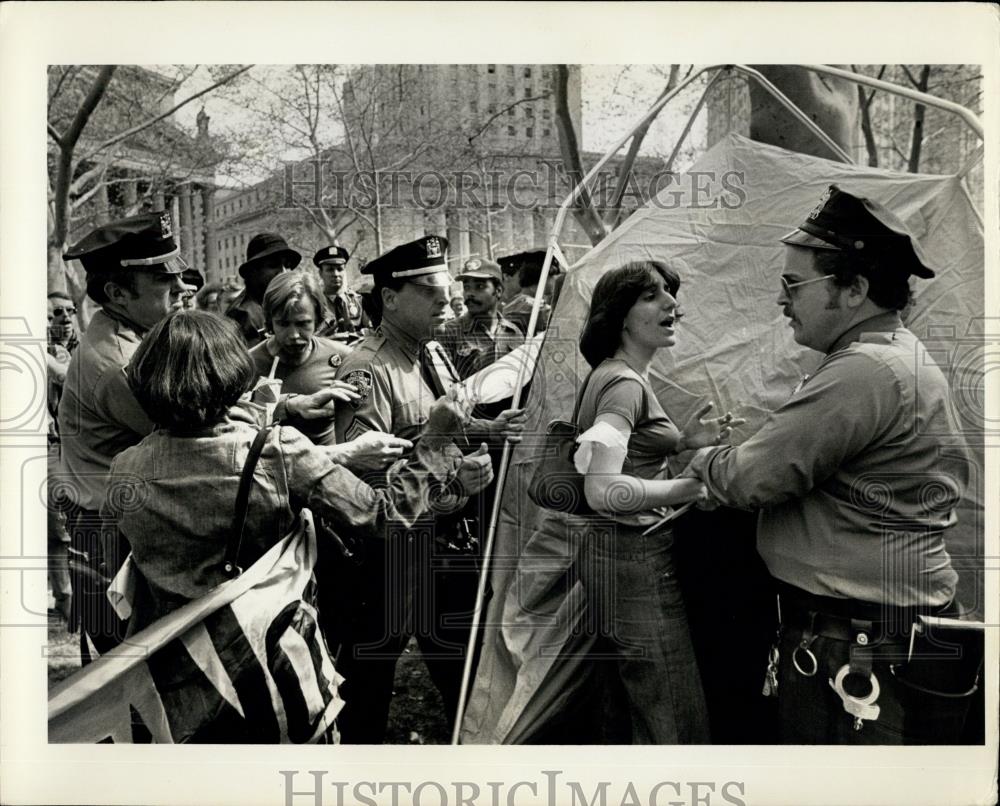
724,219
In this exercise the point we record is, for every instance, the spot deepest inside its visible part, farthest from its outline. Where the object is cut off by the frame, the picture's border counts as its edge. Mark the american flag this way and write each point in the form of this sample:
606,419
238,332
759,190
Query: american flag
245,663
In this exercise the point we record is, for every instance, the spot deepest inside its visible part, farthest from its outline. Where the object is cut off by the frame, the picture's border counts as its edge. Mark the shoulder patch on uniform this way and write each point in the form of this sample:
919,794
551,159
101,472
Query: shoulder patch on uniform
360,379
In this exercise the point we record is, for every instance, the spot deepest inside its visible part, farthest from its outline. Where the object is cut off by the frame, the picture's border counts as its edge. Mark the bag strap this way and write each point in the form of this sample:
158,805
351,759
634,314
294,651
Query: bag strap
230,565
579,397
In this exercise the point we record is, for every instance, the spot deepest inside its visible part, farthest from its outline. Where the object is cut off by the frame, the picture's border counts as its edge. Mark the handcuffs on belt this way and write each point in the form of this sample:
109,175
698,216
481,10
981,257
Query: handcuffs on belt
806,664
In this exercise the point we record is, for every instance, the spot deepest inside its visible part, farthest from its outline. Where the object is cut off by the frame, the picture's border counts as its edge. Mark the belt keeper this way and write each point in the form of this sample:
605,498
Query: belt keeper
860,651
808,636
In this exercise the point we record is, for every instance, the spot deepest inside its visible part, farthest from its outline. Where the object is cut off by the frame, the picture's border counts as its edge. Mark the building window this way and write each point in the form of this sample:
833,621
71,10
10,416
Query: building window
527,92
492,109
546,113
422,112
510,131
527,72
529,132
529,112
491,68
510,111
473,106
510,71
510,91
545,132
493,88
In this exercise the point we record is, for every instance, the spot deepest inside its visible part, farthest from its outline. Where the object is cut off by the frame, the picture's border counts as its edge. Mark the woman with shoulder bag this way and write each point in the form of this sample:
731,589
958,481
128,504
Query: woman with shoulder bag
626,562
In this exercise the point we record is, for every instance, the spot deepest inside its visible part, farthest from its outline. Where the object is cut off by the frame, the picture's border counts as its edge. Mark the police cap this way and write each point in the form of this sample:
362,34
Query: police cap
848,223
336,255
141,243
477,268
423,261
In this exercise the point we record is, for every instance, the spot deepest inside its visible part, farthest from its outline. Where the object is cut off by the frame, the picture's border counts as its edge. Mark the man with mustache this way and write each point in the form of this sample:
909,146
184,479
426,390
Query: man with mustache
857,478
482,334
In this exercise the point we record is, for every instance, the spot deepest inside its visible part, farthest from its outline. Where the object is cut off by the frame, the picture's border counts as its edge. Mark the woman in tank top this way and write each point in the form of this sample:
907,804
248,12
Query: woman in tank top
643,648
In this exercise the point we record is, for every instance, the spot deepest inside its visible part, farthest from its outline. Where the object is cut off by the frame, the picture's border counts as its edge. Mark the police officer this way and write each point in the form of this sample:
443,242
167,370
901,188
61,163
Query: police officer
856,488
482,334
400,589
349,318
267,256
134,273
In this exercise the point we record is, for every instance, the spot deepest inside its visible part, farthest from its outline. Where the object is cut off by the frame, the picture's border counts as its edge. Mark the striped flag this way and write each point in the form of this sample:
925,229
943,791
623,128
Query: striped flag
245,663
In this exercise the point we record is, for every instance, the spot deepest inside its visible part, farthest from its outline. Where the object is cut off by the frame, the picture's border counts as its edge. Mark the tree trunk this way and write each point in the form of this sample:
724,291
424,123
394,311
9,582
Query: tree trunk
66,144
919,110
871,147
832,104
569,146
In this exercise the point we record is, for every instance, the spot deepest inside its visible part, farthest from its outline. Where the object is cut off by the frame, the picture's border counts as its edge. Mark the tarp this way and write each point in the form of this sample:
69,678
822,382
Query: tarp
723,218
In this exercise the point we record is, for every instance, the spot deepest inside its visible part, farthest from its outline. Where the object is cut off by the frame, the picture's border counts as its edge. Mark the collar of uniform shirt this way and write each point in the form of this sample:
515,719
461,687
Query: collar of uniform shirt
405,341
121,319
879,323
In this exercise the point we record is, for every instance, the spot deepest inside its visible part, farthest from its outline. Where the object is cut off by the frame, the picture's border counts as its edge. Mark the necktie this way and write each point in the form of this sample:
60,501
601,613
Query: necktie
344,323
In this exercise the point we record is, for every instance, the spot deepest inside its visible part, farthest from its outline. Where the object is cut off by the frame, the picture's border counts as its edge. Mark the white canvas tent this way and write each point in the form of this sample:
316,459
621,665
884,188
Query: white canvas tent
734,349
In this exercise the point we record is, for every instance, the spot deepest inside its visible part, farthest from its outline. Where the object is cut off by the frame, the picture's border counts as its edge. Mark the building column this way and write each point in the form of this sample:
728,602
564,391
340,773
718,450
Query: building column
186,225
130,194
212,271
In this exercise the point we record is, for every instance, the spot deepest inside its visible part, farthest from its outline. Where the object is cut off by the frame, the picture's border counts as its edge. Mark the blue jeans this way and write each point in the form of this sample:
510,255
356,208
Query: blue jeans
643,647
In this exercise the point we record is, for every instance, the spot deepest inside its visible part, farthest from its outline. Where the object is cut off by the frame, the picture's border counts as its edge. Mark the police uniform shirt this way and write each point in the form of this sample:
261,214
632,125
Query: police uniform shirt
317,372
348,315
471,346
394,397
851,476
98,415
249,315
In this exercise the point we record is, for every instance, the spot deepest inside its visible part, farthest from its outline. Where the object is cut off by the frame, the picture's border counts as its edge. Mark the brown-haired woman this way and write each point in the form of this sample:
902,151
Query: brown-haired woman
632,590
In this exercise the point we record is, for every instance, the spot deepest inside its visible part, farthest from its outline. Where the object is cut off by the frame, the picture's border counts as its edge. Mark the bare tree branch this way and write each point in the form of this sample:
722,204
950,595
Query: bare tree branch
625,170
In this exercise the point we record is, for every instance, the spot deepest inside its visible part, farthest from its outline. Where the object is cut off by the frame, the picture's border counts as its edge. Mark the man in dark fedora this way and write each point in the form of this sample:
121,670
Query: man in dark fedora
134,272
857,478
268,255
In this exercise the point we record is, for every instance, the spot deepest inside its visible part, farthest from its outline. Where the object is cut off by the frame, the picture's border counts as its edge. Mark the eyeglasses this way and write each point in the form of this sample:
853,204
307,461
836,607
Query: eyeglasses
64,311
789,286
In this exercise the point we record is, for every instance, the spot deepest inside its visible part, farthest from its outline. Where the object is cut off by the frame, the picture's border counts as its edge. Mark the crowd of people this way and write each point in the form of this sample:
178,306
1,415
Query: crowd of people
173,378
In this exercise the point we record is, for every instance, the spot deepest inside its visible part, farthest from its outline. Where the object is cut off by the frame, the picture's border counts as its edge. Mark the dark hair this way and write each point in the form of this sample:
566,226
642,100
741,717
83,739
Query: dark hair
614,295
287,290
190,368
887,287
124,278
530,271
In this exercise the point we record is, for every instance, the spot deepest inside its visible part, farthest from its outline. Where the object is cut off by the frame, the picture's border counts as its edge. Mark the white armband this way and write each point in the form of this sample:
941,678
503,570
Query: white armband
602,434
